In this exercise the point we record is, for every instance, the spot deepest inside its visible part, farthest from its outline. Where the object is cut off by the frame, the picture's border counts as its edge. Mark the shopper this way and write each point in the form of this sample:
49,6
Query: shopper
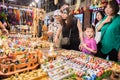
53,27
99,16
73,24
110,32
89,46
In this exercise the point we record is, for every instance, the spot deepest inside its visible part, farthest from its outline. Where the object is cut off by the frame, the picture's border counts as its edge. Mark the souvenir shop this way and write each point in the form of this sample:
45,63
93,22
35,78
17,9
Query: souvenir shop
25,56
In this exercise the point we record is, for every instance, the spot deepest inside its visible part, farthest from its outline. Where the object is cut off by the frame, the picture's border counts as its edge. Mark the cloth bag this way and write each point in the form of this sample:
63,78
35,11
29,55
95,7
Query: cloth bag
66,40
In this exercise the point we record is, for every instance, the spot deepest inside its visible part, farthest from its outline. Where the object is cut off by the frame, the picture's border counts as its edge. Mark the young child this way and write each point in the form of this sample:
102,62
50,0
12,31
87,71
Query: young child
89,44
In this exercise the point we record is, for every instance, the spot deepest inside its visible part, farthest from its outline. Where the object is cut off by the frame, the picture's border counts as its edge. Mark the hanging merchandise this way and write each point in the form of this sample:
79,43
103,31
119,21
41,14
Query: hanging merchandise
55,2
85,7
109,0
42,14
29,18
103,3
26,16
17,16
77,5
13,16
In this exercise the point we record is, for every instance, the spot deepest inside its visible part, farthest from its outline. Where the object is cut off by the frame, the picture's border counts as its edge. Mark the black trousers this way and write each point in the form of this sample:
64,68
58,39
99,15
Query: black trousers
113,54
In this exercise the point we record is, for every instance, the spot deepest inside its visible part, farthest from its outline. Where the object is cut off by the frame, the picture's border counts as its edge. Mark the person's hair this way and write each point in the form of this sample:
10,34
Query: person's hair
60,20
101,13
51,18
66,11
114,5
91,26
70,21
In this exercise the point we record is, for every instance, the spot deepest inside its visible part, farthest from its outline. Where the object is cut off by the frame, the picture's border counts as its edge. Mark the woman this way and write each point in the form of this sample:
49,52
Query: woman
99,16
110,32
73,26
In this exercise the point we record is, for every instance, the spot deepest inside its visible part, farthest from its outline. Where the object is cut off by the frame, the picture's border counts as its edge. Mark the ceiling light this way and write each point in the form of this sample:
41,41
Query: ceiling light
36,1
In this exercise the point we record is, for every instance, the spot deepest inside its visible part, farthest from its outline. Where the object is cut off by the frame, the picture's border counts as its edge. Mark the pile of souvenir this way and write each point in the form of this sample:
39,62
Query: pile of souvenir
20,54
115,72
57,69
23,53
84,66
33,75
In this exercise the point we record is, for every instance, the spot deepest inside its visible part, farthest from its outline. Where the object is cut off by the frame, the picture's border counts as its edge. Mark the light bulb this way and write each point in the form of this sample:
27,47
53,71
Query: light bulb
36,1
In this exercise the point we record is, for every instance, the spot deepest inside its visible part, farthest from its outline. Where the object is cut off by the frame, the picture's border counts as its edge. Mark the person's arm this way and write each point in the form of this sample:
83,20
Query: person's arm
3,28
108,19
100,26
89,49
58,34
1,25
93,48
119,55
79,25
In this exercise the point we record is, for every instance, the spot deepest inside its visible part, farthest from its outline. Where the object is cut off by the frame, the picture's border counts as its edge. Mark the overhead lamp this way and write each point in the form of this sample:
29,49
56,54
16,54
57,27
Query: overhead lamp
30,5
11,0
36,1
33,3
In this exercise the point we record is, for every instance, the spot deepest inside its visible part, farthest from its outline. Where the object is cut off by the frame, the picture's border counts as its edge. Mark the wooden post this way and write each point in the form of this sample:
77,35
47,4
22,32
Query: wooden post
87,16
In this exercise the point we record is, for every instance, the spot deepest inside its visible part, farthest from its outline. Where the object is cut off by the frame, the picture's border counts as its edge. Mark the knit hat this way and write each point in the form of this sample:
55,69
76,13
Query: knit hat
57,12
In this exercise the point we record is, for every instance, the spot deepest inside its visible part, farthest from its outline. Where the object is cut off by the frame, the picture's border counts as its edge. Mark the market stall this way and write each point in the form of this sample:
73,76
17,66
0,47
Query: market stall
22,54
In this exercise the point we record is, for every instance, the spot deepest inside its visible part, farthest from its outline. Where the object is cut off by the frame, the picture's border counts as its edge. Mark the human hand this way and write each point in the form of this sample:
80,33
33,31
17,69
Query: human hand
108,19
49,33
55,40
80,46
5,31
84,45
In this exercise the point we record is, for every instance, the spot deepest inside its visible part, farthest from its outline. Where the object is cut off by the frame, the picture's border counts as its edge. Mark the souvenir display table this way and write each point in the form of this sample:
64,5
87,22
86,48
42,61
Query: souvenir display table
30,58
19,54
74,65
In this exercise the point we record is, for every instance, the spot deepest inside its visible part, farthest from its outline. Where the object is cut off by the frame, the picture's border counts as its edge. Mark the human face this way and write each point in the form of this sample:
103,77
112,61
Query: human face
64,16
89,33
108,10
99,16
58,18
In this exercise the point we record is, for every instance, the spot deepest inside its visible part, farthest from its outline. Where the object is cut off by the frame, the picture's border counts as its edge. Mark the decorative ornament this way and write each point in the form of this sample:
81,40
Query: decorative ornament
42,14
77,5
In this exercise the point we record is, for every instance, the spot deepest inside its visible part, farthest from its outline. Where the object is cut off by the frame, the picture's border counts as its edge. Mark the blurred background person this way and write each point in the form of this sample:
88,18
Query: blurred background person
53,27
99,16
